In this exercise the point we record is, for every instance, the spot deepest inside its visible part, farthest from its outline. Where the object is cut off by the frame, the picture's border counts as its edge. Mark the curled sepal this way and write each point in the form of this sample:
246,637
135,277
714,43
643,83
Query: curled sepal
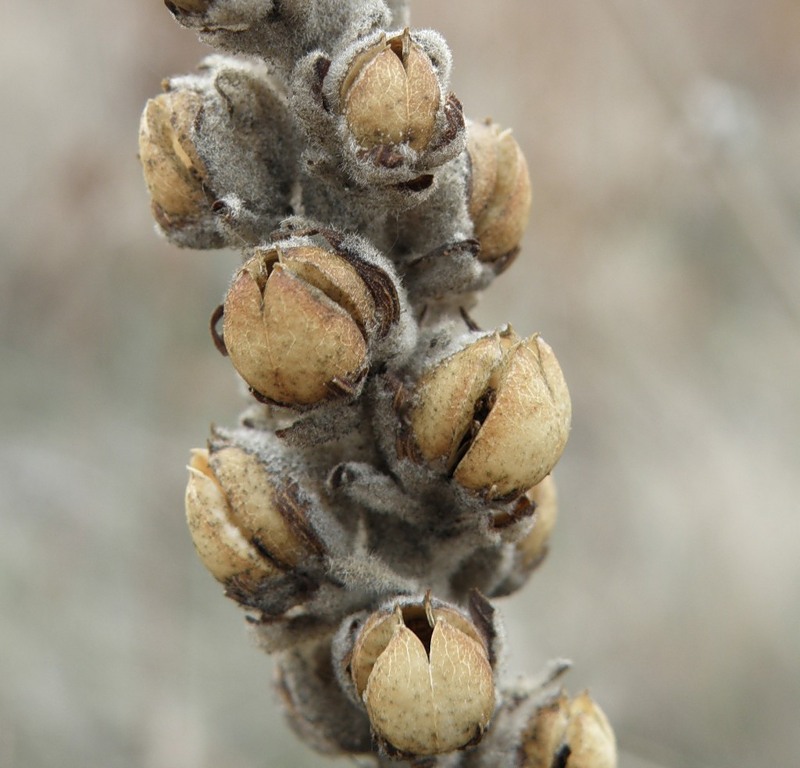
251,530
422,669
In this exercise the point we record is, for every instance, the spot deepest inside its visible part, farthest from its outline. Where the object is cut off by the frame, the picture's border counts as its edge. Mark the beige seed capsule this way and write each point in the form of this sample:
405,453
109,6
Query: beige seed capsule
296,323
173,170
533,547
390,95
495,415
573,730
424,676
500,191
244,525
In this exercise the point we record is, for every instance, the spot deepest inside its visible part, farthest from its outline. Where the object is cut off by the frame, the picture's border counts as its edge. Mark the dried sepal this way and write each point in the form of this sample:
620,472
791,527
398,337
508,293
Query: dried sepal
495,415
500,192
422,670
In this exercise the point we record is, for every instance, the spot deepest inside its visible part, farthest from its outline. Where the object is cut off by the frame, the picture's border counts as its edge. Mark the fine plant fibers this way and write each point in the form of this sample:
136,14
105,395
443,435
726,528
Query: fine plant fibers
390,476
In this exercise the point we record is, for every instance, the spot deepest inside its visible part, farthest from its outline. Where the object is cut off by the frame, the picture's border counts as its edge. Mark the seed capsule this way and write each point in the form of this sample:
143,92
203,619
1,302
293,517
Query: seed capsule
391,95
532,548
195,141
495,415
500,191
297,322
249,528
174,172
424,675
573,733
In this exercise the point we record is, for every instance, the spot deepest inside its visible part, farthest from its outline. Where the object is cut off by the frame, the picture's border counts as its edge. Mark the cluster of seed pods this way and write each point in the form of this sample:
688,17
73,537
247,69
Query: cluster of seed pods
390,476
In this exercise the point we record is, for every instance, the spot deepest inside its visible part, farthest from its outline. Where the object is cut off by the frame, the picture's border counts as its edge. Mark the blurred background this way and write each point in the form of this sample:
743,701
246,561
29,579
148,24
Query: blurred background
662,263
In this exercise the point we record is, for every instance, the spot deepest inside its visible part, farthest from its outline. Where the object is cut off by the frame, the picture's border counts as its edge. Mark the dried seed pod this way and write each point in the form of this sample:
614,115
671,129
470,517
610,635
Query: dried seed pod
175,174
500,191
293,341
494,415
531,549
218,152
422,670
378,117
300,321
574,733
391,95
249,527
